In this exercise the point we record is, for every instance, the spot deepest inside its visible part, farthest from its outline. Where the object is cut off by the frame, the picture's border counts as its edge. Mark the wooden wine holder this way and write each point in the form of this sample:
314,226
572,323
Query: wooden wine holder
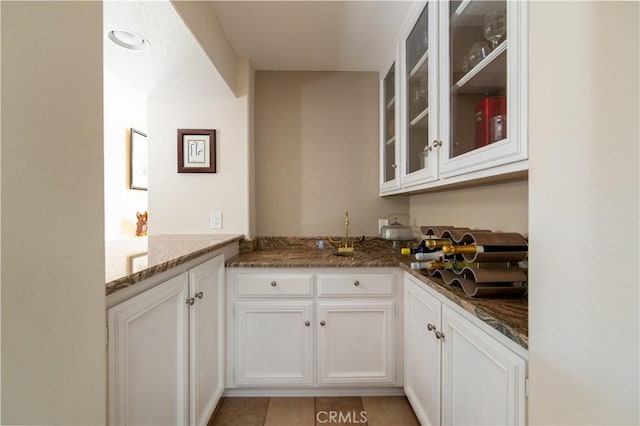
484,281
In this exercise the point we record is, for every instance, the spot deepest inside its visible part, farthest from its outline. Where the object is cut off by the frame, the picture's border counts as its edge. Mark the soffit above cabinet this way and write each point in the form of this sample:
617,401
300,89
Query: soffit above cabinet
175,63
313,35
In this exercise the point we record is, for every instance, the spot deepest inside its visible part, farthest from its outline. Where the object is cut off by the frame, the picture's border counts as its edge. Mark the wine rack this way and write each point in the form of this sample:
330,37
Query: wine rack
490,261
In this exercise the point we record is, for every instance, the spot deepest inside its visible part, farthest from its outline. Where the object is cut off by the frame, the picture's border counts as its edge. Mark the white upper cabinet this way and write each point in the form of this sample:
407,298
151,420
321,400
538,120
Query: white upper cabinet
461,94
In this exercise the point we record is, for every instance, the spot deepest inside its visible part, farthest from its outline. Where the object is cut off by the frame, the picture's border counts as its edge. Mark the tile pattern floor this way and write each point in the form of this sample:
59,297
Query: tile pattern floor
319,411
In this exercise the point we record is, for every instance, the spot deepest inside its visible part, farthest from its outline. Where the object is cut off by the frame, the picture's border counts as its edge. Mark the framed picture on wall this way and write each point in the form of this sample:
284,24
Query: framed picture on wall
139,167
196,151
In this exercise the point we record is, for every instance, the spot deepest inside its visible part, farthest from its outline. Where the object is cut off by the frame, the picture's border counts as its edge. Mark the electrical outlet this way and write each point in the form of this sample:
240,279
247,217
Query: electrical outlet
216,220
381,223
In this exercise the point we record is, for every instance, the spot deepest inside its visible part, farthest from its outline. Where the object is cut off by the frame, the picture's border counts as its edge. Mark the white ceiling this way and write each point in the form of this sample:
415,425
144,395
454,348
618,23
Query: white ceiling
274,35
175,63
313,35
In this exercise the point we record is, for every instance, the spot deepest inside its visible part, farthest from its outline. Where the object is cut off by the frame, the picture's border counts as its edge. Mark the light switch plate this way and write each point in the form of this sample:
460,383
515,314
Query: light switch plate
216,220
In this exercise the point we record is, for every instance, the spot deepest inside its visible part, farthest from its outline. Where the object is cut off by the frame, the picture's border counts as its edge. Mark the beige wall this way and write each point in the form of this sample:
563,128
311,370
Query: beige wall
181,203
583,213
317,154
499,207
53,297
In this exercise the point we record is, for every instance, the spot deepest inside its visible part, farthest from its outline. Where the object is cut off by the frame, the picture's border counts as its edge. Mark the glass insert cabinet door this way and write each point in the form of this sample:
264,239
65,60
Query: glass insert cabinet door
389,125
419,89
477,76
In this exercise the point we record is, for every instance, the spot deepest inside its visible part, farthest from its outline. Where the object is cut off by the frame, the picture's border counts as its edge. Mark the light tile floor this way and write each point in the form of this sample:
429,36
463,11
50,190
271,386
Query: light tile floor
320,411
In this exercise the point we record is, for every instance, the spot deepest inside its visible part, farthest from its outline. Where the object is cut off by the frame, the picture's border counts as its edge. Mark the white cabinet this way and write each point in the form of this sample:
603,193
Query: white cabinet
355,342
206,330
308,328
460,99
453,365
422,353
274,343
165,350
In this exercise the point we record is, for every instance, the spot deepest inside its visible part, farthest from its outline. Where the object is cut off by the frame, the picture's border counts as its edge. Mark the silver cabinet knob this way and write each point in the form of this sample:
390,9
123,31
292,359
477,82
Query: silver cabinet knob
393,166
439,335
199,295
356,283
307,323
437,143
322,323
431,327
191,301
273,283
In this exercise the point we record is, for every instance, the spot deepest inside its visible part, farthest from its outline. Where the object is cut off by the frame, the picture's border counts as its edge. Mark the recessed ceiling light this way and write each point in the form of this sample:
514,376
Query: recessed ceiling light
129,40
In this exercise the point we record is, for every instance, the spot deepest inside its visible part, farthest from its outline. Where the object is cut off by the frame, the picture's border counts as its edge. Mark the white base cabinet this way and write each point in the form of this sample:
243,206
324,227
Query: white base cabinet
311,328
455,372
355,342
166,358
274,343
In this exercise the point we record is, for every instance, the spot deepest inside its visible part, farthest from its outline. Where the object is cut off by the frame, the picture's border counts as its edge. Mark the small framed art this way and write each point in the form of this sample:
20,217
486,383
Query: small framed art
139,167
196,151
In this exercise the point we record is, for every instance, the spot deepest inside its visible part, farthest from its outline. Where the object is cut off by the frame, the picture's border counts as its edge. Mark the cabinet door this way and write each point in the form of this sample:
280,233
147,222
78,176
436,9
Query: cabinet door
389,129
273,343
355,343
483,382
483,89
419,89
148,357
206,359
422,353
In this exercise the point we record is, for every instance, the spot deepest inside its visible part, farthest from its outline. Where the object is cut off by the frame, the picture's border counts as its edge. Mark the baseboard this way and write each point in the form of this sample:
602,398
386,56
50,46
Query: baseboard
310,392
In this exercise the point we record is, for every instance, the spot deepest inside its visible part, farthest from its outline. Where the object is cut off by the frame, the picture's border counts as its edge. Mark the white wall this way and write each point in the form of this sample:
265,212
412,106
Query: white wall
124,107
583,213
53,357
182,202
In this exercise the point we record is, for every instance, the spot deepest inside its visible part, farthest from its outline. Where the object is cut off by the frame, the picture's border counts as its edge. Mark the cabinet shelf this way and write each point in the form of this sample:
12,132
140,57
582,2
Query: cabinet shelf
418,121
471,13
489,75
391,103
419,64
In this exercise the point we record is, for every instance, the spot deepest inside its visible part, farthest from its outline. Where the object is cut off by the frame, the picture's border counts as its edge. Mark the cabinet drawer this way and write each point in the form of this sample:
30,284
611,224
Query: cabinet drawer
274,285
355,285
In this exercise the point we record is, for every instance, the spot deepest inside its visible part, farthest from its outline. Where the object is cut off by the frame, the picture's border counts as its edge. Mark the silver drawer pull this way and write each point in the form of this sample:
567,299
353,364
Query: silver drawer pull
356,283
307,323
191,301
322,323
273,283
439,335
199,295
431,327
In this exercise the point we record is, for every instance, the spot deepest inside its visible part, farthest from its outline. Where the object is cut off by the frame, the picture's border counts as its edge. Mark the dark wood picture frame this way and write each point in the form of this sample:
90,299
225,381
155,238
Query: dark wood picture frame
138,160
196,151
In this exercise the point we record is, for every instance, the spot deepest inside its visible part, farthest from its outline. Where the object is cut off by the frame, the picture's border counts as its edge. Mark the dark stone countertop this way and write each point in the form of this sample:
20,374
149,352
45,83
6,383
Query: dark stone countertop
509,316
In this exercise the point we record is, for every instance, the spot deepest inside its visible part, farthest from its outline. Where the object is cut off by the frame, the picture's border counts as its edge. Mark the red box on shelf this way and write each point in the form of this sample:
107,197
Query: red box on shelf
487,108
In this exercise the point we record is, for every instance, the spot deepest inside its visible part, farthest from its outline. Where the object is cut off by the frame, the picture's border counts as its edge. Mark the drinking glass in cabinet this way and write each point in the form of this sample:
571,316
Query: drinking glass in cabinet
478,74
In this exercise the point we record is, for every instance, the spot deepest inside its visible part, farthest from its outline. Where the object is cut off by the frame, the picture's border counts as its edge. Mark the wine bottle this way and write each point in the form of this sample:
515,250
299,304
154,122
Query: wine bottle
438,243
418,265
472,249
458,265
436,255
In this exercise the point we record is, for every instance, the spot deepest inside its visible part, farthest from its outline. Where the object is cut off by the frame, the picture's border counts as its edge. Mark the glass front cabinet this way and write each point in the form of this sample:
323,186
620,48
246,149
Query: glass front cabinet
456,84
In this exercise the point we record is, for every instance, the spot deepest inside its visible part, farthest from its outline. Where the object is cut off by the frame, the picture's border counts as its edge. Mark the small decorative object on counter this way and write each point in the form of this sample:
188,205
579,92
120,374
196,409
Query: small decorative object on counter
142,225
